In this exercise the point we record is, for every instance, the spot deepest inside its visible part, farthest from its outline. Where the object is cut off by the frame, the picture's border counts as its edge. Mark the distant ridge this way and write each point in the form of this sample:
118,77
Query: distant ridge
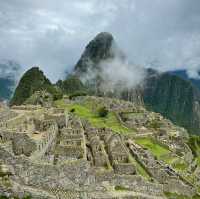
9,71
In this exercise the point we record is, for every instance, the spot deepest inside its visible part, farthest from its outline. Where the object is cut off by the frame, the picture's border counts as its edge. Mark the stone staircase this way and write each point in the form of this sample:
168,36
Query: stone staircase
63,194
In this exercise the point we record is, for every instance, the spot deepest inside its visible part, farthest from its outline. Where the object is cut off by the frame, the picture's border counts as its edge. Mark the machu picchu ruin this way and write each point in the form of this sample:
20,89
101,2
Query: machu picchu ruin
67,151
99,99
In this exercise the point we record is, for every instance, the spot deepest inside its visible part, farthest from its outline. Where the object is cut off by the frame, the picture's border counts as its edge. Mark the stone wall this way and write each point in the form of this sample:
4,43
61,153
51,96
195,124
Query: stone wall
6,135
61,119
177,186
69,152
44,145
124,168
22,144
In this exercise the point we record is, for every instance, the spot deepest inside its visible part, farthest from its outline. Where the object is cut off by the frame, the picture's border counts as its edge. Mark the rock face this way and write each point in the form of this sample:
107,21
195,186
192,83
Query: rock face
99,49
183,74
175,98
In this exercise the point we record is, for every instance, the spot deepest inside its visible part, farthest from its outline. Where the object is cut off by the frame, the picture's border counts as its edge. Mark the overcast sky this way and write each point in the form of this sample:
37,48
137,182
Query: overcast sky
52,34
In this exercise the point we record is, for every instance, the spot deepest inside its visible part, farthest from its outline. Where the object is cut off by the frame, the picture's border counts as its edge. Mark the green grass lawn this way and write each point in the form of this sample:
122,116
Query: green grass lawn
169,159
198,161
181,166
156,149
84,111
162,153
176,196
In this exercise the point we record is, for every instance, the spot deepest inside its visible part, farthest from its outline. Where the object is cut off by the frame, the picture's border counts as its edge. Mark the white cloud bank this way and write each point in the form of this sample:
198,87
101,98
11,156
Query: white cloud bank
53,34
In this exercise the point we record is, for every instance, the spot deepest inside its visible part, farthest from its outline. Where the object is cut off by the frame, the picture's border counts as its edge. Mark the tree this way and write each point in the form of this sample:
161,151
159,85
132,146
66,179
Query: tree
103,111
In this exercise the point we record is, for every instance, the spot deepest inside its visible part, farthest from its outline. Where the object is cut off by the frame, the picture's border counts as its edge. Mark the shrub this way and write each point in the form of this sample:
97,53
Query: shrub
103,112
72,110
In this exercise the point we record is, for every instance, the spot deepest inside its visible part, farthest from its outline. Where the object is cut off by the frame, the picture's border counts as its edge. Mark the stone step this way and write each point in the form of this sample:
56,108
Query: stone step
62,194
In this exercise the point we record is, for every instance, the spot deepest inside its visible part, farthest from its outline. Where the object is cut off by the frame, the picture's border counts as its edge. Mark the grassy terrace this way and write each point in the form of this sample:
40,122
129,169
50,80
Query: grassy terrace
85,111
162,153
156,149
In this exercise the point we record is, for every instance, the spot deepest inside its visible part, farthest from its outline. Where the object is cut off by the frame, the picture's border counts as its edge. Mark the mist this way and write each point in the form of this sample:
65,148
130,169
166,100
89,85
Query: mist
115,73
53,35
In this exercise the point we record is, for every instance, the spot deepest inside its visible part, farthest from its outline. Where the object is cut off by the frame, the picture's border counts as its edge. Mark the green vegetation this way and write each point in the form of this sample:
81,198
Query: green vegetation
194,143
176,196
162,152
76,94
154,124
139,168
168,158
72,86
198,160
85,111
174,98
156,148
181,166
33,80
4,197
120,188
103,112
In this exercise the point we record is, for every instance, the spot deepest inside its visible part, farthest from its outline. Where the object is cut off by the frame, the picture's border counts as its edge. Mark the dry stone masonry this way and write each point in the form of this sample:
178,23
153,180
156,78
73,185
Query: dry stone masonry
47,152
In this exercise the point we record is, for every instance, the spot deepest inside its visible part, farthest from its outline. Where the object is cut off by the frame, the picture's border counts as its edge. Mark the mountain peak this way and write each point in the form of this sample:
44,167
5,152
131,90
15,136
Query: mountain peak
104,36
33,80
100,48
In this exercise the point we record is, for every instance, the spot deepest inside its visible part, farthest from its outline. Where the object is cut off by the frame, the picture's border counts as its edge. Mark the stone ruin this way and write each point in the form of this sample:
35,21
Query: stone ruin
54,154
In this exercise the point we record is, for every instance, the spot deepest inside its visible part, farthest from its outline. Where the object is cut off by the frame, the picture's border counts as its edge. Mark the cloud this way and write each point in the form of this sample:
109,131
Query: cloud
118,73
162,34
9,70
114,74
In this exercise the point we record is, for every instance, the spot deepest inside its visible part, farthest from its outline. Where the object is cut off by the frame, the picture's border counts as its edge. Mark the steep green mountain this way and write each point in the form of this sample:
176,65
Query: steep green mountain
33,80
175,98
183,74
8,75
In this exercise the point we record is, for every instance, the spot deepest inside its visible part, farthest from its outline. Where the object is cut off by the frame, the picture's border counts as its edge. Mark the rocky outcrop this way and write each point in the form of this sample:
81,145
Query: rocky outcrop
99,49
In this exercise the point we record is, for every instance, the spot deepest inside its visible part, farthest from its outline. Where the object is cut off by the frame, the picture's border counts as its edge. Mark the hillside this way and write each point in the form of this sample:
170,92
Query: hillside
175,98
33,80
183,74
